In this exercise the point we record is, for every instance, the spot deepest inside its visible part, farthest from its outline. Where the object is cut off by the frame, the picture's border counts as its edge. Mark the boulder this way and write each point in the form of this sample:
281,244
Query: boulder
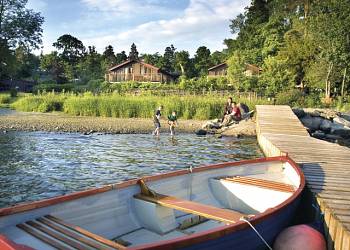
211,125
300,113
338,129
329,113
333,137
313,123
318,134
326,126
344,142
312,112
341,121
200,132
324,113
345,116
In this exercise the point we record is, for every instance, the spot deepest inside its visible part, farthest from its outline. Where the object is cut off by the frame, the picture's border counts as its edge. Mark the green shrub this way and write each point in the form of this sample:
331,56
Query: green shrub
5,98
13,92
290,97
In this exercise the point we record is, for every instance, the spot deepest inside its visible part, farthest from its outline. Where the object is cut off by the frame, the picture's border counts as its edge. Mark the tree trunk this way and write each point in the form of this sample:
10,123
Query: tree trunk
328,83
343,83
182,69
2,7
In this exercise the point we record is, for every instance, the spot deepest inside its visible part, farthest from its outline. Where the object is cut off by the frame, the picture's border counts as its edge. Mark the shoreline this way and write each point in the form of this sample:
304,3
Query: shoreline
11,120
60,122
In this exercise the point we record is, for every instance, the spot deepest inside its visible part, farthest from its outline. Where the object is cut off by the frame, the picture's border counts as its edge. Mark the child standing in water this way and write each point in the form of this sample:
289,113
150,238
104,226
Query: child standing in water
156,120
172,121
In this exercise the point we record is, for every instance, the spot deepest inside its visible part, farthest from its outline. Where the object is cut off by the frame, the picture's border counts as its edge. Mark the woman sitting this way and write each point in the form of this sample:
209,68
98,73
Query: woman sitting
235,115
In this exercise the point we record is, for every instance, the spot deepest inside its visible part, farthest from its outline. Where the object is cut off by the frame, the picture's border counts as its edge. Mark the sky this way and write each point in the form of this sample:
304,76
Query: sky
151,24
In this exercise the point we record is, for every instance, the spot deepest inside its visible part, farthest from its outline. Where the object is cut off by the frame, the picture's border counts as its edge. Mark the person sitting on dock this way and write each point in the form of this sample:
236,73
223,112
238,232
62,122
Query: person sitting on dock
156,120
172,121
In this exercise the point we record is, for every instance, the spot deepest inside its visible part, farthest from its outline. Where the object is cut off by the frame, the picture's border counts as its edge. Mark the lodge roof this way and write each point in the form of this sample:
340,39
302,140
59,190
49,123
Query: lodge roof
121,65
217,66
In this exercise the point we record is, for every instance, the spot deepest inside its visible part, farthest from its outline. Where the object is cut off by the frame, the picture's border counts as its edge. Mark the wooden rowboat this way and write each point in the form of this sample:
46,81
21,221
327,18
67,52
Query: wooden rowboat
212,207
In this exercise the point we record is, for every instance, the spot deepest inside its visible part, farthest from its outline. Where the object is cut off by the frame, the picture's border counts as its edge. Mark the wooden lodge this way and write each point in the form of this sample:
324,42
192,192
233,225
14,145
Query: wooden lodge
221,70
218,70
252,70
135,70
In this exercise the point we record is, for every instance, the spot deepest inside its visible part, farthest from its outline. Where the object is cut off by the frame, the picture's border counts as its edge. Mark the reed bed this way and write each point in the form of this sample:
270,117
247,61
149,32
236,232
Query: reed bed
127,106
5,98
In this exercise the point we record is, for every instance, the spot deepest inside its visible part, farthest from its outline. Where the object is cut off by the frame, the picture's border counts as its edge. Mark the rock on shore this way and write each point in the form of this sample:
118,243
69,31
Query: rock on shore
243,128
326,124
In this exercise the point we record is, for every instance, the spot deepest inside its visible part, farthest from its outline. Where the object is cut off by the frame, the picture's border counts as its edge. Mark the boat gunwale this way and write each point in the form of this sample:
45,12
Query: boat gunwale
184,240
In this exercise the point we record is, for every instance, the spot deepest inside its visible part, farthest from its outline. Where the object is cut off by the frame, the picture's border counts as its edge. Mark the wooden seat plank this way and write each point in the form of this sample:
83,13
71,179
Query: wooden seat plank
56,235
42,237
210,212
76,236
85,232
278,186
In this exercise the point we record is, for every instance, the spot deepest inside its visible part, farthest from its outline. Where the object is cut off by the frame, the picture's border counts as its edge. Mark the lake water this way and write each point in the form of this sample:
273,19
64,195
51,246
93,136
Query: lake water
37,165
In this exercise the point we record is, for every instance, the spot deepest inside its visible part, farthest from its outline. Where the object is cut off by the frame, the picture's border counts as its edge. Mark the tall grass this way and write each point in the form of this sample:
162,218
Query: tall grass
46,102
126,106
5,98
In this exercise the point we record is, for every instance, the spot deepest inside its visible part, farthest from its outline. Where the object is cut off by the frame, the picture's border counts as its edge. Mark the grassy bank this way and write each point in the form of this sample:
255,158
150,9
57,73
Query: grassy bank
127,106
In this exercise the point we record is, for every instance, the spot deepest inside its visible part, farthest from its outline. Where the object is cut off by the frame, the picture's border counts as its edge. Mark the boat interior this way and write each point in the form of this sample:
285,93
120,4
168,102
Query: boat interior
156,210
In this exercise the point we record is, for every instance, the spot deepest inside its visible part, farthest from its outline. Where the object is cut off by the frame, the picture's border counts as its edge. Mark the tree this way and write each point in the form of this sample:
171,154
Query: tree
217,57
54,66
89,67
18,27
27,64
134,54
121,57
168,62
155,59
72,49
184,64
109,56
202,60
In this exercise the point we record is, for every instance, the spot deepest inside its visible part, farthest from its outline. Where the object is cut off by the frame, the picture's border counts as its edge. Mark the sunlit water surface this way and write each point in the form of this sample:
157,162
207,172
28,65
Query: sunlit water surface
37,165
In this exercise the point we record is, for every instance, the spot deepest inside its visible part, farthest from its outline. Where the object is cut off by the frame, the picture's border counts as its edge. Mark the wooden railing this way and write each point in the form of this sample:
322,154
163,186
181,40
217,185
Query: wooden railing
133,77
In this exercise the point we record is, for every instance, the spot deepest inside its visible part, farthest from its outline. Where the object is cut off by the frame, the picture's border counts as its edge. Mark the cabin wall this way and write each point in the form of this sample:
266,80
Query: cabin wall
137,72
220,71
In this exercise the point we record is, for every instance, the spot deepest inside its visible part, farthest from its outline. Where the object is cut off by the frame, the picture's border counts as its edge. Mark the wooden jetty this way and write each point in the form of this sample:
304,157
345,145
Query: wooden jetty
326,167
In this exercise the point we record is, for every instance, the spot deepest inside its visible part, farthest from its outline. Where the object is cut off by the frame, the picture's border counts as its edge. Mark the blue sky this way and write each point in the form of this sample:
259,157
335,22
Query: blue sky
151,24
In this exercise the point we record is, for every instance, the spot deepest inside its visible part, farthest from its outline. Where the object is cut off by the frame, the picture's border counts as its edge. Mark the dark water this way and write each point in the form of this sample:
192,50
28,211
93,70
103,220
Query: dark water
36,165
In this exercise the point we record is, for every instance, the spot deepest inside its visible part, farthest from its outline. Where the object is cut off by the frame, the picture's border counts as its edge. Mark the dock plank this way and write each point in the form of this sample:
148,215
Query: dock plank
326,166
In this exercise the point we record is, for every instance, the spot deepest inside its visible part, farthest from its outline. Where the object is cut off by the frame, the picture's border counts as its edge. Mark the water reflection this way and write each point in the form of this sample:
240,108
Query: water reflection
36,165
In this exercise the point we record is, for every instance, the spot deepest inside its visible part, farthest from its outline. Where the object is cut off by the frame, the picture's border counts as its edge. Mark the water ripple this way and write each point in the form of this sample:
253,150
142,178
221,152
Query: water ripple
37,165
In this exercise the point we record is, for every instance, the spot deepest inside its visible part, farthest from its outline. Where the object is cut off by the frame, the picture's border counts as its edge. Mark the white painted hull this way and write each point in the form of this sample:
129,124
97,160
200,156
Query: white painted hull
114,213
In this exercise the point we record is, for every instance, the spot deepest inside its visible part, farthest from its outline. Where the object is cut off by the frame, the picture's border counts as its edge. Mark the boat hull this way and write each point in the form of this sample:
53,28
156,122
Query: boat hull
115,198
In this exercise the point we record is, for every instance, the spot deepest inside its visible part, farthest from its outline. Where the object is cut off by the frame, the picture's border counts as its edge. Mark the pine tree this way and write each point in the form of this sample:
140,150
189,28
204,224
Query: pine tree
134,54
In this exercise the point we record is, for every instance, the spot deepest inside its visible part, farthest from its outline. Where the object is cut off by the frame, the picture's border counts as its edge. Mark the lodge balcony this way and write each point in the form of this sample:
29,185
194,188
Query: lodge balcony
113,77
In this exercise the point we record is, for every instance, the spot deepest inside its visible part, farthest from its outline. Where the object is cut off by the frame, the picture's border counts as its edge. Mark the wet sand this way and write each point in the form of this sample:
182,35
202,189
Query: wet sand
60,122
